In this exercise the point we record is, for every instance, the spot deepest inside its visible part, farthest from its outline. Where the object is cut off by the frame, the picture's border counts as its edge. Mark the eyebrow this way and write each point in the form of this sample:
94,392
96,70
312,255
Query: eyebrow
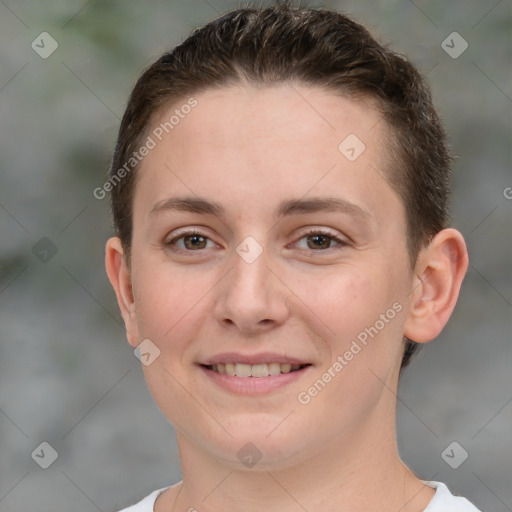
286,208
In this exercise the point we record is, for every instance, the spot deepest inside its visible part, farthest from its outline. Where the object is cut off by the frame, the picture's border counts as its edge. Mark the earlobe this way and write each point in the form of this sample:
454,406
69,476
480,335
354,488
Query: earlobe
120,279
439,272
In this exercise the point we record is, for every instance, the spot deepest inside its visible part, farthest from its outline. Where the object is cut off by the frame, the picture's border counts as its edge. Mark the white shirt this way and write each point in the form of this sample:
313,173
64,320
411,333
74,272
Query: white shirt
443,501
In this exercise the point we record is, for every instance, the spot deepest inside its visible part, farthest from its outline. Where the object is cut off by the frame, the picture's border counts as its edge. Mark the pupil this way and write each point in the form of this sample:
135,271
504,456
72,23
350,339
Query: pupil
192,239
320,238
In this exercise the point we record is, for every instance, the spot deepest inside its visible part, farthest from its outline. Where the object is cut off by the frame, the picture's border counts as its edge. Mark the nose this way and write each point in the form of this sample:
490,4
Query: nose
251,298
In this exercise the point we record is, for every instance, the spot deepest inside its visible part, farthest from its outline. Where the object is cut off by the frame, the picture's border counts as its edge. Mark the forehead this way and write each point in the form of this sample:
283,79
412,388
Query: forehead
251,144
229,116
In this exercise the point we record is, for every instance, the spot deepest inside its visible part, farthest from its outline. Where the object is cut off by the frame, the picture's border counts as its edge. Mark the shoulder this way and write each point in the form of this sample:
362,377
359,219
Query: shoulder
444,500
147,504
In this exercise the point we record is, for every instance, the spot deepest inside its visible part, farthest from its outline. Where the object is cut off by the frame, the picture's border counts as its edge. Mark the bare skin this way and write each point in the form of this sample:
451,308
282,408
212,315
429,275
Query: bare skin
307,296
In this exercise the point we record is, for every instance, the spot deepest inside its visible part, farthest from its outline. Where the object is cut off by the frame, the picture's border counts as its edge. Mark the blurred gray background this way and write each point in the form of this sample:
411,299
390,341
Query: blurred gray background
67,375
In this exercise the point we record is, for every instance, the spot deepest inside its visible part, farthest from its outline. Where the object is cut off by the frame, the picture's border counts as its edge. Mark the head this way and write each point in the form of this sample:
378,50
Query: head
254,110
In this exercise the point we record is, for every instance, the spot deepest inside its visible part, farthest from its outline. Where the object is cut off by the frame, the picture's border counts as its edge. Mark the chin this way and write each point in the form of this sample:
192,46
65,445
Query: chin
265,448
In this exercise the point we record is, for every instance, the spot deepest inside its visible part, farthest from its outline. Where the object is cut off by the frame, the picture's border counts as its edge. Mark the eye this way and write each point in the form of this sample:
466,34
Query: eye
318,239
190,241
315,239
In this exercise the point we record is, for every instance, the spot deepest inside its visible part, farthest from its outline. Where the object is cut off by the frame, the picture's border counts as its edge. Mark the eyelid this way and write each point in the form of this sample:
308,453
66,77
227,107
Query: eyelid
341,241
170,243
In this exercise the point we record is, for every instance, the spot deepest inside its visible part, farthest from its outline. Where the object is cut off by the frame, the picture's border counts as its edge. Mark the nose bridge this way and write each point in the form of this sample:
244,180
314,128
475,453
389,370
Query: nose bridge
248,282
250,296
250,272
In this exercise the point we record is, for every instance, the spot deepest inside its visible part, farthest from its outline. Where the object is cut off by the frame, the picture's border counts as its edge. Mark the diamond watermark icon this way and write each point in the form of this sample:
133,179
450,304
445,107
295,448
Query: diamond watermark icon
454,45
147,352
44,250
249,455
454,455
45,455
351,147
44,45
249,249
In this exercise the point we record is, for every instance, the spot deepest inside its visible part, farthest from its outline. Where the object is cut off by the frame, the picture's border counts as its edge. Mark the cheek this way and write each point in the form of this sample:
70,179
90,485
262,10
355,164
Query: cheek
365,316
170,302
359,312
345,299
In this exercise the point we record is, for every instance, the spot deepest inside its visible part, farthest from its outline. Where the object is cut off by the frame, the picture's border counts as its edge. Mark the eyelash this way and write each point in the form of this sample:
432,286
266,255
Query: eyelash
340,242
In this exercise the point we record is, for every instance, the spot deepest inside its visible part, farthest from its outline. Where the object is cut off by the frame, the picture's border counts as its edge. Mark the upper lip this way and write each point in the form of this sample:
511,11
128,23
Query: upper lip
261,358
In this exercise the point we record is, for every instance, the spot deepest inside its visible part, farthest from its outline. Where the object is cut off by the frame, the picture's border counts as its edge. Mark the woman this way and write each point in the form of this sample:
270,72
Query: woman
279,192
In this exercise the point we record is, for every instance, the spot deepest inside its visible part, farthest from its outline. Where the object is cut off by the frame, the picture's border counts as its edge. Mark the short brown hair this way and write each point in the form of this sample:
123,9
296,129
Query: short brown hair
315,47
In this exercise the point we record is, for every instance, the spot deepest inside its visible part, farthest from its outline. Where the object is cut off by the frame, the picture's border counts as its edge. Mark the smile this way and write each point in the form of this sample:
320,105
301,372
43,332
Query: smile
254,370
253,379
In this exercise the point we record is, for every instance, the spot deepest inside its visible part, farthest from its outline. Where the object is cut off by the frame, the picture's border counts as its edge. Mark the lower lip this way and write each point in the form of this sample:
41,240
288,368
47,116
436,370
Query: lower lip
253,385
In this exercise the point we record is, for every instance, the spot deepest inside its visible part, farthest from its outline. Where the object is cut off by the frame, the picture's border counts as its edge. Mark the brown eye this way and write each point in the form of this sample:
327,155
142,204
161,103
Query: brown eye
194,242
189,242
319,241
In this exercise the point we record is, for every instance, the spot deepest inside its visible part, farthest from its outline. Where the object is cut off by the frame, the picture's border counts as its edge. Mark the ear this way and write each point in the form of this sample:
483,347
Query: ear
439,272
120,279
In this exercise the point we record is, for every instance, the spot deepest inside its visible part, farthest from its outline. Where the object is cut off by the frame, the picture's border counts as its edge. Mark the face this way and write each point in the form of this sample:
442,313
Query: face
258,238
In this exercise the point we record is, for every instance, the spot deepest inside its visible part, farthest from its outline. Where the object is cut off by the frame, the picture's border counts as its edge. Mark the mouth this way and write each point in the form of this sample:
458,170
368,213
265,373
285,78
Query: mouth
254,370
253,374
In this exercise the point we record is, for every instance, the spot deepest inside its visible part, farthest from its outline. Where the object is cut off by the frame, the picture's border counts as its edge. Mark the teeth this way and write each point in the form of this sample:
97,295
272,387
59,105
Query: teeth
286,368
274,368
242,370
259,370
255,370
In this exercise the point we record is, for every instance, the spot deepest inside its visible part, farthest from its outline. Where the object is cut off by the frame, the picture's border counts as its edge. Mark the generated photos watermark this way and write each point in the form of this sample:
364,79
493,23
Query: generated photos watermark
150,143
357,345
